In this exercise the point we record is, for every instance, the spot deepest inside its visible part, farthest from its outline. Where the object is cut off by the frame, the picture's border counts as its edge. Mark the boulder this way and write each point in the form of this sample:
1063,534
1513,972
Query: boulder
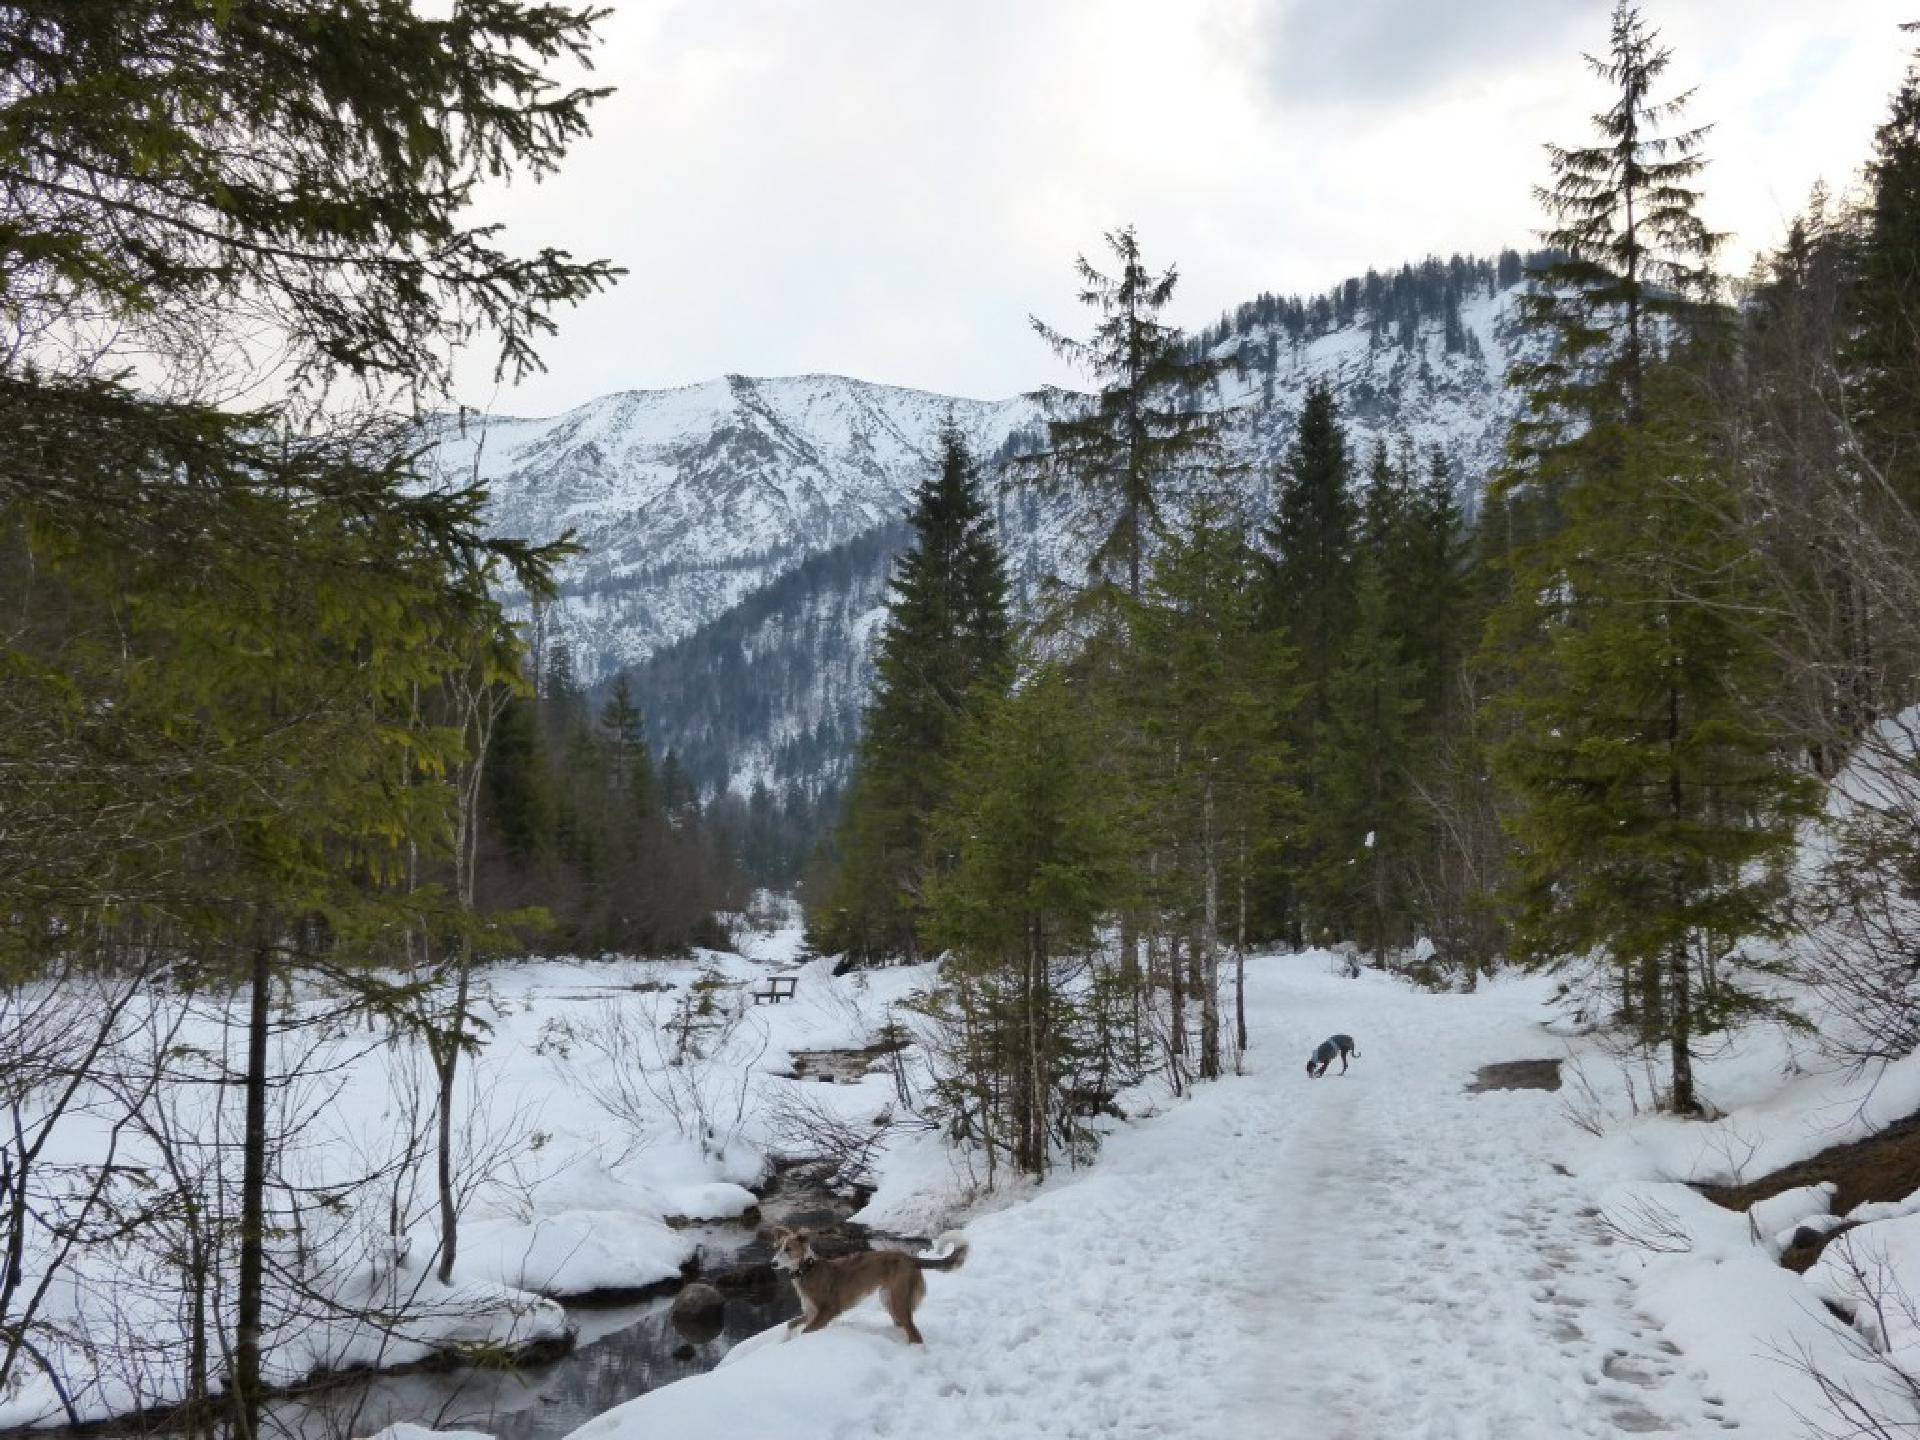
698,1312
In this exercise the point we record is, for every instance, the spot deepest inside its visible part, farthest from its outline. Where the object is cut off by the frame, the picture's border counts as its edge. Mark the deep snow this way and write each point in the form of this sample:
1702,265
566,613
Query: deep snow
1374,1255
563,1198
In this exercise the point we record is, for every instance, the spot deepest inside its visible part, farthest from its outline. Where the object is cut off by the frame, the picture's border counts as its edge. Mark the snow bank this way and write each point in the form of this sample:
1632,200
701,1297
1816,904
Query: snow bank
1776,1220
1873,1272
404,1431
1730,1307
798,1390
437,1318
560,1197
579,1252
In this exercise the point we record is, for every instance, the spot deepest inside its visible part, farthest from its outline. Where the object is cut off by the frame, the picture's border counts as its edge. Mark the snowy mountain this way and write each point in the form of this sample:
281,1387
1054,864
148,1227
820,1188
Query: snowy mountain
738,533
688,501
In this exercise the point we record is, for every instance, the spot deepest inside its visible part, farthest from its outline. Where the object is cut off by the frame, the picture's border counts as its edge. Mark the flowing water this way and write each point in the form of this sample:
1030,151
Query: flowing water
622,1353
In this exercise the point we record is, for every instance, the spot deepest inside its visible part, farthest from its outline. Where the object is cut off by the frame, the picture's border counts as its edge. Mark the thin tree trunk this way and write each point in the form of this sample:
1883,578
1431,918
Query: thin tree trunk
1240,967
1036,1059
198,1387
1679,998
250,1299
1209,943
1129,950
1680,1029
1177,1016
446,1071
483,708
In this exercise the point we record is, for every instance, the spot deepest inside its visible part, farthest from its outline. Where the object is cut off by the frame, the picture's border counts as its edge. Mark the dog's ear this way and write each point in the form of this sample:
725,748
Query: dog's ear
805,1237
779,1234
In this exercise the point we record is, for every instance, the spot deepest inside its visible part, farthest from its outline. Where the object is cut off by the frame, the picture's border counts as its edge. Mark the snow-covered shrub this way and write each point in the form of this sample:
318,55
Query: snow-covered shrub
677,1062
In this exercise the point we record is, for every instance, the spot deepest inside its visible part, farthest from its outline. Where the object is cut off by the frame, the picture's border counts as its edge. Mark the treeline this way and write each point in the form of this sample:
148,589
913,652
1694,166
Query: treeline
579,822
624,827
1584,733
1394,304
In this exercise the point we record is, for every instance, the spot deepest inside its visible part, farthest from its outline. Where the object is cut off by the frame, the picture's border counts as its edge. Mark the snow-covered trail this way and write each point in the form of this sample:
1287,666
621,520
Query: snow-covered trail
1379,1256
1427,1270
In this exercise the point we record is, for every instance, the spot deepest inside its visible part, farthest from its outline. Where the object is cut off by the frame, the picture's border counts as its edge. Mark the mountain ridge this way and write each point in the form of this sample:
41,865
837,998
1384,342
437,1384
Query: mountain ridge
694,499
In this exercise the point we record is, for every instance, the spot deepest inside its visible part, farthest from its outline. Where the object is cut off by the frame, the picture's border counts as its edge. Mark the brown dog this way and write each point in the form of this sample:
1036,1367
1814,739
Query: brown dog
830,1288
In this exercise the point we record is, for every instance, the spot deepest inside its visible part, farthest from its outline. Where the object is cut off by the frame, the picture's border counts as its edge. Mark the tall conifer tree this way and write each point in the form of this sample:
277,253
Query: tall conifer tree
1308,599
945,648
1038,864
1208,708
1365,825
1647,793
1651,793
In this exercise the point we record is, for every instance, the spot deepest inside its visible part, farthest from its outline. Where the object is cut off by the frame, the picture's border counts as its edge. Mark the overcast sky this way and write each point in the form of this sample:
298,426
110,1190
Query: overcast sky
887,188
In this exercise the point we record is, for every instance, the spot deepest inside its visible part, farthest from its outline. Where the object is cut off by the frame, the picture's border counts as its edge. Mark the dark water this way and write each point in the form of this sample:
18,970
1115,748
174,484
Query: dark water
622,1353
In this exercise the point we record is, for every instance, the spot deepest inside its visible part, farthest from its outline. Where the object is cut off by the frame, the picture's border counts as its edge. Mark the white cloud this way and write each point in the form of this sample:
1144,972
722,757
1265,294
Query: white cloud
886,188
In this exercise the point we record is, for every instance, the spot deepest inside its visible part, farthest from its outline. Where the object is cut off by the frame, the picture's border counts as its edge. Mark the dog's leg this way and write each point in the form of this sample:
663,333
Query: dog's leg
807,1311
900,1302
821,1313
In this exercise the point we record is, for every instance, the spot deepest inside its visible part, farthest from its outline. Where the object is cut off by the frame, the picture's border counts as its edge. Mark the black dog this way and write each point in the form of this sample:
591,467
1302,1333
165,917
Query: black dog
1341,1045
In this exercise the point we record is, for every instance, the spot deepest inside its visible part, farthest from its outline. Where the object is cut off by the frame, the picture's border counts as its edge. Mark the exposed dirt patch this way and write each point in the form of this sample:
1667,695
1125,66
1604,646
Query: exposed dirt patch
1517,1075
1882,1167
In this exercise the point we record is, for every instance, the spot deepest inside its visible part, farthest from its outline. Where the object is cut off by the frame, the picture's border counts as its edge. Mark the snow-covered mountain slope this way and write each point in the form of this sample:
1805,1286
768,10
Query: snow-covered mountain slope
687,501
693,503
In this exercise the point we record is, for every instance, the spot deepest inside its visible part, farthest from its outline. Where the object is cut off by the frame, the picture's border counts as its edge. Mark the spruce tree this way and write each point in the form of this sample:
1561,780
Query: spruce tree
1646,789
196,170
1145,434
945,649
1432,587
624,734
1037,863
1312,538
519,787
182,180
1308,600
1208,704
1365,824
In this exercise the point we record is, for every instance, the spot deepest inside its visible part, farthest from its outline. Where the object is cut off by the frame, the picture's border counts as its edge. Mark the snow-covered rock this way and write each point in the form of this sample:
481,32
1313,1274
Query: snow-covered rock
1778,1218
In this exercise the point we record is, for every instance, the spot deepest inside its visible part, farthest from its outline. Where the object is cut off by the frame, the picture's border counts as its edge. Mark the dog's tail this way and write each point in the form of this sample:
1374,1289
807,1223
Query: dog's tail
955,1257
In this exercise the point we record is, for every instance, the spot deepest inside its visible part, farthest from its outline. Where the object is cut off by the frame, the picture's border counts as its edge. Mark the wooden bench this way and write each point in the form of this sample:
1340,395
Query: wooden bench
776,988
